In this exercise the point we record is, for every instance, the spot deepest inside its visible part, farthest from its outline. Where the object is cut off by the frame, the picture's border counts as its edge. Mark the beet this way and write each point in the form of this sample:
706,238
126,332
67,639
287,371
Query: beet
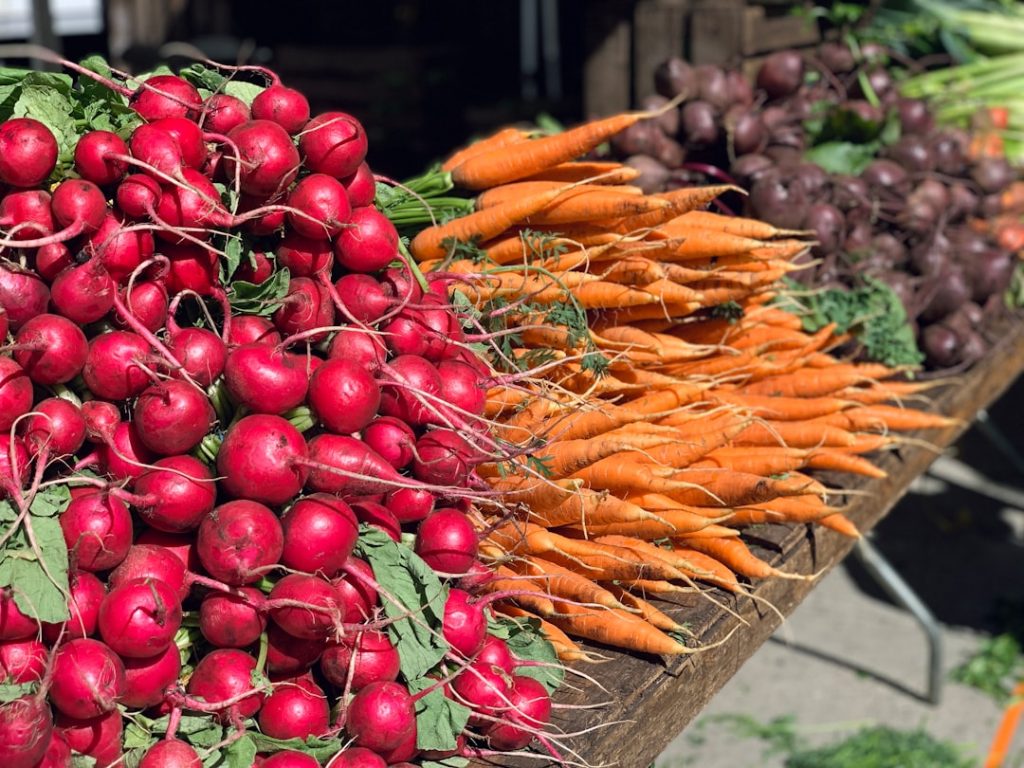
675,77
886,175
949,150
962,202
889,248
912,153
748,168
837,57
740,89
638,139
919,216
781,202
813,178
915,118
949,292
668,120
858,236
748,132
879,80
931,256
941,346
849,192
653,174
829,226
781,74
989,273
713,86
992,174
700,124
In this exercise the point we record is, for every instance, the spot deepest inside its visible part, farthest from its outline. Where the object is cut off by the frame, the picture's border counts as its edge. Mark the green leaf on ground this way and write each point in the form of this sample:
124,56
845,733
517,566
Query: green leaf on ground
994,668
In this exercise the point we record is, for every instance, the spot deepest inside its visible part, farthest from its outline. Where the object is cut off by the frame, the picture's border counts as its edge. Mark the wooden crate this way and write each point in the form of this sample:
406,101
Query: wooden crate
732,31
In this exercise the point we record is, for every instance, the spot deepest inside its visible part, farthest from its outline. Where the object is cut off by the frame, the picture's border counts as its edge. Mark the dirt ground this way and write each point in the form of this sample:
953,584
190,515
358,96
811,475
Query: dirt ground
848,657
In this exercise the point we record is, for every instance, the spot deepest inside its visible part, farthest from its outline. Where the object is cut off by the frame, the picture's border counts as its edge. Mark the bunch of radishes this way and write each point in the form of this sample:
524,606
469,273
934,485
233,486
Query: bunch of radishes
202,581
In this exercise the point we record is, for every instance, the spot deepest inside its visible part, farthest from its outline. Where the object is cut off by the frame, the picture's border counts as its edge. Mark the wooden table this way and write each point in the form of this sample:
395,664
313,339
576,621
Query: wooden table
650,701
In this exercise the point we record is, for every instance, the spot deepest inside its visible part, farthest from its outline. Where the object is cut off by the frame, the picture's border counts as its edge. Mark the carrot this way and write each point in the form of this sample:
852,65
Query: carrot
734,554
682,200
895,418
784,408
609,172
1007,727
566,649
533,491
650,613
562,582
583,424
673,293
530,595
500,399
705,244
515,248
758,460
1012,197
665,524
794,434
686,452
633,270
841,523
590,508
509,192
617,628
523,159
502,138
864,443
704,568
729,489
736,225
566,457
604,295
656,587
830,381
479,225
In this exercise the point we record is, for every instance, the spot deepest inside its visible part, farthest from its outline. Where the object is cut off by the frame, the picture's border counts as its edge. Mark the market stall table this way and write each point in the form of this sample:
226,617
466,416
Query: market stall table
649,701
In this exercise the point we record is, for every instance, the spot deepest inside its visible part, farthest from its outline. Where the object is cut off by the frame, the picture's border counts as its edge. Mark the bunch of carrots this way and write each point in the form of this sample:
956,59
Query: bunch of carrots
683,406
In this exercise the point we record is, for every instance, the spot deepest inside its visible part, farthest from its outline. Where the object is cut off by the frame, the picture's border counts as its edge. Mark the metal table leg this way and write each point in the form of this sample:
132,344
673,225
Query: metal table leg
883,572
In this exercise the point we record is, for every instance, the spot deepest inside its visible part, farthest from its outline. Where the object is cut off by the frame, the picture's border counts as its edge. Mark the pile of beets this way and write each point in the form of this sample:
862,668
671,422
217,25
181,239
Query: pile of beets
195,502
905,216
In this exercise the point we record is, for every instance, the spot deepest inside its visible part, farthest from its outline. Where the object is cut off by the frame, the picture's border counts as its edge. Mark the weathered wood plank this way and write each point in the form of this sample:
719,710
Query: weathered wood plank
658,29
607,79
650,701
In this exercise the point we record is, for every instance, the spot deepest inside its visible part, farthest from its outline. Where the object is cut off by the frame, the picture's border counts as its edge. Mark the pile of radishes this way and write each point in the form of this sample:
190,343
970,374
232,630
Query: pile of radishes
210,469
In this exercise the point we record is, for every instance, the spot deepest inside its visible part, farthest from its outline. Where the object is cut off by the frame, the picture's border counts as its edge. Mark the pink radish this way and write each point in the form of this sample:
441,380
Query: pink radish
124,456
495,653
58,753
296,709
362,347
252,329
194,206
222,112
306,307
379,516
369,242
354,587
113,367
189,137
98,738
443,457
333,143
290,758
148,679
265,379
320,611
364,297
119,252
269,160
376,660
284,106
223,675
323,201
257,269
268,223
345,465
412,395
172,417
97,158
410,505
87,592
83,293
180,545
319,534
483,689
343,396
14,625
392,438
146,302
52,259
138,619
201,353
170,753
290,655
191,268
357,757
530,711
447,541
22,661
237,541
97,530
22,295
26,724
88,679
13,472
146,561
360,186
262,458
380,716
464,624
229,620
15,393
304,256
137,195
28,152
166,96
27,214
176,494
461,386
100,419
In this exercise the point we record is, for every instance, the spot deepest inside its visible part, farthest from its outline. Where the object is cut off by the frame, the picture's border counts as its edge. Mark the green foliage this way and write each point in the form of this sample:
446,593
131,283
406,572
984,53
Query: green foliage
842,141
994,668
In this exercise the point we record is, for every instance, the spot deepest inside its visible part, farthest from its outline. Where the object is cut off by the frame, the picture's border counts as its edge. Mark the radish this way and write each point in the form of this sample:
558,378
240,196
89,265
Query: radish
166,96
320,207
146,561
424,331
176,494
333,143
22,295
172,417
357,757
307,306
268,159
406,750
369,242
170,753
304,256
268,223
319,534
222,112
483,689
237,542
28,152
379,516
119,252
257,269
464,624
78,206
376,660
343,396
392,438
364,297
27,214
189,137
88,679
262,458
26,724
290,655
113,367
229,620
340,464
83,293
124,456
8,469
290,758
98,158
296,709
403,285
284,106
252,329
191,268
15,393
360,347
354,587
52,259
410,505
495,653
225,674
530,711
146,302
407,376
22,661
101,418
461,386
312,606
87,592
180,545
443,457
148,679
138,619
13,624
380,716
194,206
360,186
137,195
447,541
97,530
201,353
58,752
98,738
265,379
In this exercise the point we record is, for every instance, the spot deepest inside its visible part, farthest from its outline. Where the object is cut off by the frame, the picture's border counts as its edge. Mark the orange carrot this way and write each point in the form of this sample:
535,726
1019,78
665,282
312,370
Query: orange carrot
830,381
841,461
566,649
758,460
784,408
529,595
509,192
737,557
840,523
665,524
535,491
616,628
557,581
794,434
609,172
649,612
682,200
566,457
736,225
1007,727
524,159
589,508
502,138
705,568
